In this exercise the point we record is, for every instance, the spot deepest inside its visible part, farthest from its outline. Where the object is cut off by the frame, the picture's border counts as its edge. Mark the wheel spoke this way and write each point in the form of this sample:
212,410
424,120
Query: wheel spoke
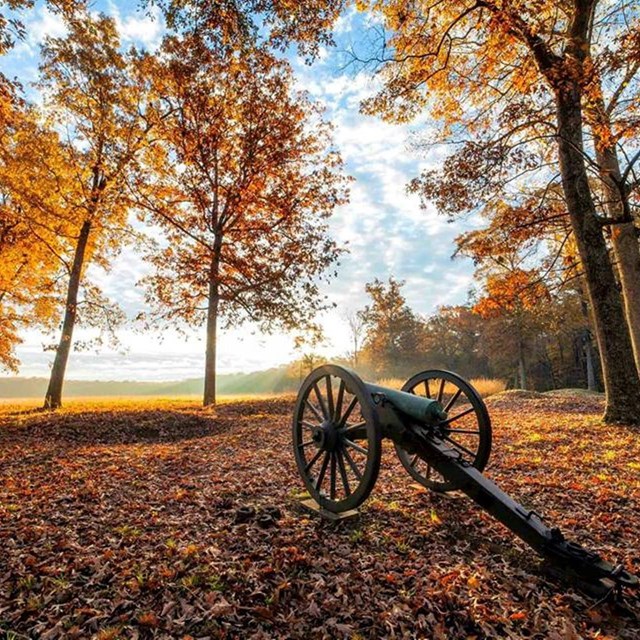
302,445
343,474
354,467
347,413
459,446
330,398
308,425
314,410
451,402
333,475
313,461
460,415
336,416
355,446
467,438
353,427
323,406
465,431
323,470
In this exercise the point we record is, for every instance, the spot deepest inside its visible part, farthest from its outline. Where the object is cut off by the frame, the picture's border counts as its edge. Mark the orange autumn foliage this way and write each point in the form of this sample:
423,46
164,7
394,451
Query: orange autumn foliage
511,293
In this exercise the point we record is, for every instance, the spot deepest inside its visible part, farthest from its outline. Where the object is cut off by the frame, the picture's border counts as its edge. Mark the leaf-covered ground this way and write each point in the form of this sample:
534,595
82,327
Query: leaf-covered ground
121,522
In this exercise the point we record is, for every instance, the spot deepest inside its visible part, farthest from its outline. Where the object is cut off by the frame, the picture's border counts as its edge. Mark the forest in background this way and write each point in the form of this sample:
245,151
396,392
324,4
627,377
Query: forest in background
390,341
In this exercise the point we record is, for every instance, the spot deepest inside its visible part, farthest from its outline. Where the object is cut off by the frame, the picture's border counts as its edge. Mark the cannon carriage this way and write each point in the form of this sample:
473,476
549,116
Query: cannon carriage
441,431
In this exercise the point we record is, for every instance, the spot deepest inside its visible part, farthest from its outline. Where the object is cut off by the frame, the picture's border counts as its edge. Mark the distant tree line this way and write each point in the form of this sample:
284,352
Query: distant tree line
539,343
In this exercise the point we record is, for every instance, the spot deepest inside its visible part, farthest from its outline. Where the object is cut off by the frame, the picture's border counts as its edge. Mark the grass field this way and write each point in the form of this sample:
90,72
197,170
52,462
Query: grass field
120,520
118,402
484,386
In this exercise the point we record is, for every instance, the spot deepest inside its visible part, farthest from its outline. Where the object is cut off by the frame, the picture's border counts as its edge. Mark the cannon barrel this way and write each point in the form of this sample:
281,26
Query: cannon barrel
424,410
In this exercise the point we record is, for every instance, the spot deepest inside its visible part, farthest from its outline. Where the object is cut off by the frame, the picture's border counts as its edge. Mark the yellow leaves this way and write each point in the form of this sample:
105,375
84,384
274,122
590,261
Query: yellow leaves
473,582
191,550
510,293
418,488
448,57
149,620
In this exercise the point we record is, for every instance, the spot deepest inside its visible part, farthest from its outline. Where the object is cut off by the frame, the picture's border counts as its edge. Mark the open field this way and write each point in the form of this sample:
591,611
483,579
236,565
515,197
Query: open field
89,403
120,521
484,386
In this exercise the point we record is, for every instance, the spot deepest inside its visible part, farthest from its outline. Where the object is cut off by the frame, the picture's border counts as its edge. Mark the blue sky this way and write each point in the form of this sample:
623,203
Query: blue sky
386,231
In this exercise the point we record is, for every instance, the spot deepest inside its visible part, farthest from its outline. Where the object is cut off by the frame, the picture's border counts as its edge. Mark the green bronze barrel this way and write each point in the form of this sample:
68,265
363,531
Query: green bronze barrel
425,410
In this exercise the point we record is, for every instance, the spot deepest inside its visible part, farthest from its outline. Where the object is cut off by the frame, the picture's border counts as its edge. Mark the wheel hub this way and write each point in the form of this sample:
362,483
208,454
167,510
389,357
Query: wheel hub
326,436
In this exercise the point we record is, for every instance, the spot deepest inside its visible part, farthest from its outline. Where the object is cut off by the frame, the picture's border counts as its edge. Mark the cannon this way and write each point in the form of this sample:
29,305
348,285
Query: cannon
441,431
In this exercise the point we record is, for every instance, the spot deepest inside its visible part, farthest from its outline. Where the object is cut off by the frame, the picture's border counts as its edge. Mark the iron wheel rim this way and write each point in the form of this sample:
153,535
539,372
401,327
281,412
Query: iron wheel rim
333,411
432,383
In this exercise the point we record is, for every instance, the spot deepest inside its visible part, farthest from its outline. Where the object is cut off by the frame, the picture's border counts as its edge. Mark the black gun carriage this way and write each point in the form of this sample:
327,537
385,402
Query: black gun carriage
441,431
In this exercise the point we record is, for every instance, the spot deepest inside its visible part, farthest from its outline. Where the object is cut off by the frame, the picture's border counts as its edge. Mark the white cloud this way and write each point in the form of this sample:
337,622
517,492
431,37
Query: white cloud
44,23
140,28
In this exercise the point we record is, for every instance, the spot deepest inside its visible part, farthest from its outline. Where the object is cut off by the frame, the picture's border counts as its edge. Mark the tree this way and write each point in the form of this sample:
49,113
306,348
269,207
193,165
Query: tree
393,332
32,224
357,325
242,181
453,341
613,118
237,23
514,296
470,62
11,26
92,93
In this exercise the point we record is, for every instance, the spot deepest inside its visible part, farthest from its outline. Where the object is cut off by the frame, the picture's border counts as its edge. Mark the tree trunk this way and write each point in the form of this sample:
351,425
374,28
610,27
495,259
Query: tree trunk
623,233
355,352
209,398
552,373
625,244
587,344
522,369
621,381
53,398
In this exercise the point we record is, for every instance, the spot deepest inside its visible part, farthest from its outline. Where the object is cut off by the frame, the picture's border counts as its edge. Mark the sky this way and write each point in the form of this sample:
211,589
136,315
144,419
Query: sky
384,228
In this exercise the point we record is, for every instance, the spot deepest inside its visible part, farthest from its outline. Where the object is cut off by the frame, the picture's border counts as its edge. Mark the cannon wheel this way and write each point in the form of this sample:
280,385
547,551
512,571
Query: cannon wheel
468,428
336,438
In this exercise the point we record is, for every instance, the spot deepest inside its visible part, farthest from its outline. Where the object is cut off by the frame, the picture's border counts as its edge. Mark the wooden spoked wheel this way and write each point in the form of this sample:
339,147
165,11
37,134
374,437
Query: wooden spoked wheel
467,428
336,438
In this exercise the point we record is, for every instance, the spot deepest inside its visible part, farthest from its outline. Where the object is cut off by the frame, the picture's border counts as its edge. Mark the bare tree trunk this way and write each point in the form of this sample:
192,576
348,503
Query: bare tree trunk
621,381
589,356
209,398
522,369
53,397
587,344
552,373
563,364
